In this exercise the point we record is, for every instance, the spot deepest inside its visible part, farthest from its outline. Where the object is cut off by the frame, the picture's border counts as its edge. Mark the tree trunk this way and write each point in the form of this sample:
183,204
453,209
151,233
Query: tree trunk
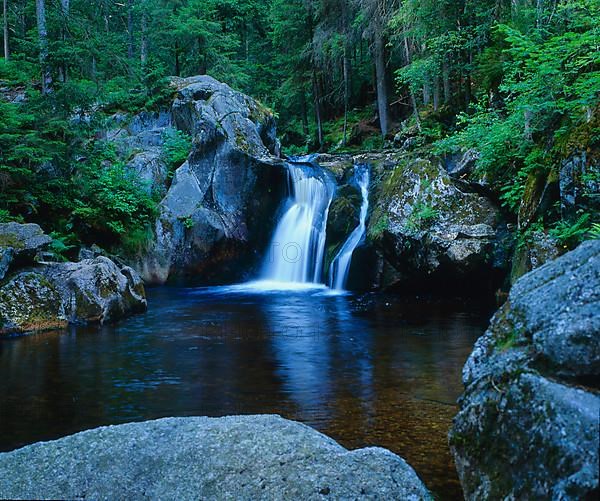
144,41
317,100
130,34
5,18
40,9
436,93
413,99
346,93
304,107
426,92
446,77
177,60
64,11
381,77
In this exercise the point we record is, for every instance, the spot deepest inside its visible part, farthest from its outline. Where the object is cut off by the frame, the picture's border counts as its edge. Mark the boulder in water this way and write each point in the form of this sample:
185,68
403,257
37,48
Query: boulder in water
434,233
52,296
238,457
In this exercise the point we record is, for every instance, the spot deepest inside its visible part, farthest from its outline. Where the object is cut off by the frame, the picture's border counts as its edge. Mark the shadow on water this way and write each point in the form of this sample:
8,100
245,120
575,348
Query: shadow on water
372,370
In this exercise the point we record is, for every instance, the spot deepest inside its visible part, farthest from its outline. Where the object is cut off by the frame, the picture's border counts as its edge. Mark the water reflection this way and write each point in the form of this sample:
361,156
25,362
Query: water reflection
368,371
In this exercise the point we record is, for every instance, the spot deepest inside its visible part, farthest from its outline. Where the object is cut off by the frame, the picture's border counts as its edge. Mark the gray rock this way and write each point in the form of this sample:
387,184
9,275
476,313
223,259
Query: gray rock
578,179
220,206
239,457
19,245
528,422
426,226
462,164
52,296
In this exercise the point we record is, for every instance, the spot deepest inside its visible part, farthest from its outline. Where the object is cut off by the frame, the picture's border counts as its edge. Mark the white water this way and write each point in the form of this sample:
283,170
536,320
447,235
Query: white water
298,246
340,267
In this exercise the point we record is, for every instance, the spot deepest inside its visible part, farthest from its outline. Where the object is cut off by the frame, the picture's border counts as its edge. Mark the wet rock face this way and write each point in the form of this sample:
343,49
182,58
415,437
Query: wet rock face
431,231
219,210
237,457
528,422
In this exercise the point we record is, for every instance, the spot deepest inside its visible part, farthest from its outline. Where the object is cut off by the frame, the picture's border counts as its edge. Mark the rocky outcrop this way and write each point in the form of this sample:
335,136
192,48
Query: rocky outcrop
245,457
528,422
433,232
218,212
36,295
20,244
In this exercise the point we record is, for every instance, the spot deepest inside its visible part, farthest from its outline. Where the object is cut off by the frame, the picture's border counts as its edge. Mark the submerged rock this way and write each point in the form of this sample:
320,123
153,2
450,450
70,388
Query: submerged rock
528,425
52,296
238,457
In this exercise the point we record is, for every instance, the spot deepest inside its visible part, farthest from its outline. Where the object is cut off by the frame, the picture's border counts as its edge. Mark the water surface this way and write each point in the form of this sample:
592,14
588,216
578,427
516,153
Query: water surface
370,370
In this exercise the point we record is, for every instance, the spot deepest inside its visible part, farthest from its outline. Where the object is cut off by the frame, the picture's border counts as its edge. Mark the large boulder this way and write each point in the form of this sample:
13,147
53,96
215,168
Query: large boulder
20,244
430,230
245,457
218,212
54,295
528,422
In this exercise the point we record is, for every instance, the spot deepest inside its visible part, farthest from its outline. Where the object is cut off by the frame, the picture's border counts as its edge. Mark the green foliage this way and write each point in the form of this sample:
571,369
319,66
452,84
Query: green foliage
112,202
377,229
176,148
422,214
570,234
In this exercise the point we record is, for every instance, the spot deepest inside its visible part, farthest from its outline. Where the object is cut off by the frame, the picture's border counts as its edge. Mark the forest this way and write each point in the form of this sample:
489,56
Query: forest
516,80
300,249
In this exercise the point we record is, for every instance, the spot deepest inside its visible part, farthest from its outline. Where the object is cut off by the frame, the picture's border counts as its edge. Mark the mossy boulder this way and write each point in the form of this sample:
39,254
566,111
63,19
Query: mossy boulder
55,295
433,231
528,422
20,244
343,214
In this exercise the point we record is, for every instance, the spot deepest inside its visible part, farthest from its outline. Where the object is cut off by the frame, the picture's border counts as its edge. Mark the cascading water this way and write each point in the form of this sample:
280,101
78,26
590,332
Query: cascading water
298,245
340,267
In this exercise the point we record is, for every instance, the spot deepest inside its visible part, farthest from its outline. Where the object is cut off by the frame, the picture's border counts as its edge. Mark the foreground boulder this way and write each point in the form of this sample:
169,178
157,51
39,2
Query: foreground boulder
432,231
245,457
528,426
54,295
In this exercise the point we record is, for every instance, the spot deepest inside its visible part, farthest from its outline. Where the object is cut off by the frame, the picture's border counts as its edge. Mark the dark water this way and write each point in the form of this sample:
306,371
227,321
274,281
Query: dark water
372,370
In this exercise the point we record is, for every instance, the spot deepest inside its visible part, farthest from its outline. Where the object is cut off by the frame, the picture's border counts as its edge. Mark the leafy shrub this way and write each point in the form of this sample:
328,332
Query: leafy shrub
112,204
176,148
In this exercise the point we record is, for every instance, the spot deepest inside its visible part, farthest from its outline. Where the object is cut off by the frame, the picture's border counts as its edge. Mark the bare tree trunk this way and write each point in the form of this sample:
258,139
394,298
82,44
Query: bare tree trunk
346,93
426,92
381,77
413,99
446,77
317,100
304,107
130,39
64,11
144,42
40,9
436,93
5,14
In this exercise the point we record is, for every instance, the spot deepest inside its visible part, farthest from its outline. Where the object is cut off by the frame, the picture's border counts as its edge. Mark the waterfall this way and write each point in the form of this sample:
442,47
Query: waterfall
298,245
340,267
